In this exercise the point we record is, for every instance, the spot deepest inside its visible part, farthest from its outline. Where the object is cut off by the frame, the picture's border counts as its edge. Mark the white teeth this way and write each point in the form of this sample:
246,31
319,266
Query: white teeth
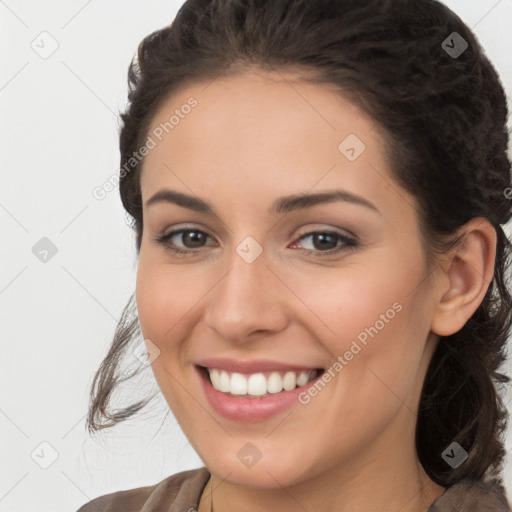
302,379
274,383
289,381
238,384
257,384
224,382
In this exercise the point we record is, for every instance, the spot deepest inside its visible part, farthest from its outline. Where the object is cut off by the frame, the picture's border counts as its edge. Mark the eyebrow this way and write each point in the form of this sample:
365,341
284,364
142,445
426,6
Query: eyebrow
281,205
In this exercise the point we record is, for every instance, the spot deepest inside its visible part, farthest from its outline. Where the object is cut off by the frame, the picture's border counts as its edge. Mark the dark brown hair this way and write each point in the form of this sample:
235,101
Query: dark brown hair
444,119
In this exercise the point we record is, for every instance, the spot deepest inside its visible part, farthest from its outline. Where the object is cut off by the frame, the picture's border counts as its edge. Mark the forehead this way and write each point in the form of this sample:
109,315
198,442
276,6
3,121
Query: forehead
264,133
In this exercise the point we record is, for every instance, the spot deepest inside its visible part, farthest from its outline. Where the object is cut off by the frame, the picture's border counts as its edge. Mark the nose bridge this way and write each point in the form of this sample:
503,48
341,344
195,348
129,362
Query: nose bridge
243,300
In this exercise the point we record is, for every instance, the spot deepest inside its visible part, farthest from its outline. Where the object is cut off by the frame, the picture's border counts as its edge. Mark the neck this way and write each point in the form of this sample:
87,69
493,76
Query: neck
400,492
387,477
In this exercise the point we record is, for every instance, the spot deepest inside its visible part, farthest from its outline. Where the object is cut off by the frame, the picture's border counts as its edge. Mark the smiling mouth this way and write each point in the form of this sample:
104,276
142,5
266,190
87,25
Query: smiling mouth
260,384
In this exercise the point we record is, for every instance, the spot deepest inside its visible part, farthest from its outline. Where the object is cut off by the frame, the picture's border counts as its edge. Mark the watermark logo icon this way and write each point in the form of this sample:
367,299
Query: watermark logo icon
352,147
146,353
44,250
45,45
454,455
454,45
249,249
44,455
249,454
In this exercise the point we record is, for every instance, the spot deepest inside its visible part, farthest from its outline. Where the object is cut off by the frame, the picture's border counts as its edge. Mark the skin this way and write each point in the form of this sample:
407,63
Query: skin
253,138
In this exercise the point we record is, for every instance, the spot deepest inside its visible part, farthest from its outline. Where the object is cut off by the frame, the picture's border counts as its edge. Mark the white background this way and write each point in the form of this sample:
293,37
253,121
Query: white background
59,140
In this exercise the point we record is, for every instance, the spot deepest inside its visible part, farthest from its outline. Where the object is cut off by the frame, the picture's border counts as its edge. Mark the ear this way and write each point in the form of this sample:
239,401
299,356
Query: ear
465,277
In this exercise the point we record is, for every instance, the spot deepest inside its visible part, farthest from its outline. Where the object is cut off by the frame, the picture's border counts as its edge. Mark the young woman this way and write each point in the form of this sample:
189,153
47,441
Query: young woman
318,190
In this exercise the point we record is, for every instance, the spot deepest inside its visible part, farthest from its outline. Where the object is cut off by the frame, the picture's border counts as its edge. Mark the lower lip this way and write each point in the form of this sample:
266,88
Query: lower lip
250,409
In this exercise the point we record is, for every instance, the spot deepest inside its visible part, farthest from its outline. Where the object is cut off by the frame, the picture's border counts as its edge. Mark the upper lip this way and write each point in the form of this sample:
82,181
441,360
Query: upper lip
254,366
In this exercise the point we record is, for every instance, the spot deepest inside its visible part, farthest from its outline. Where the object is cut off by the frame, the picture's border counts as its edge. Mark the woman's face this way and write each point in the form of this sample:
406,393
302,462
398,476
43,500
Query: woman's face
269,288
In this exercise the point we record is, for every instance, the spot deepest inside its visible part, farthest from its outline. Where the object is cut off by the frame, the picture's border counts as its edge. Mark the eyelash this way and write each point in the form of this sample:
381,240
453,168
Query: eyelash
348,243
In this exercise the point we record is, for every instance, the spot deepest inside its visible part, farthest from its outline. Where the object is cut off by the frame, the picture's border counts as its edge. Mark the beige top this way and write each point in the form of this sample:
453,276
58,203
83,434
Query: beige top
181,493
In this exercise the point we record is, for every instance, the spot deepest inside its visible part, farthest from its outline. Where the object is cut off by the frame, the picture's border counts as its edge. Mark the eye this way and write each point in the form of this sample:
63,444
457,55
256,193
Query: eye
190,240
326,243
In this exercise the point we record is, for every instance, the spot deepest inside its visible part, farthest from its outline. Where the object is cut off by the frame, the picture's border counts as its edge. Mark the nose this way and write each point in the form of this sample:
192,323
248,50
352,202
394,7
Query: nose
249,299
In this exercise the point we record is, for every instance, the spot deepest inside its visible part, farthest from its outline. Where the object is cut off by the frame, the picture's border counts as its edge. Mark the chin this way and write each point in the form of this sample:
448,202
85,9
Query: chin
274,472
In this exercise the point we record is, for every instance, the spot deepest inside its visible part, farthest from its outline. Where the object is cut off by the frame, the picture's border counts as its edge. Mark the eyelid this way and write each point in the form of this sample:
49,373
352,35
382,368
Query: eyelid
186,227
302,232
326,229
347,241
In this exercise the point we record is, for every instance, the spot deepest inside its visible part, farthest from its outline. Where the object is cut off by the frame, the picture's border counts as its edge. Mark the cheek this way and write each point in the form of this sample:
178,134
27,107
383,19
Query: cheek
165,296
375,316
342,303
165,302
154,299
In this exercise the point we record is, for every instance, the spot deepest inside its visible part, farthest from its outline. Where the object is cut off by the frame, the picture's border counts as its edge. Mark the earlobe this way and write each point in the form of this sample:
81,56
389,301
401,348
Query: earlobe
467,274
